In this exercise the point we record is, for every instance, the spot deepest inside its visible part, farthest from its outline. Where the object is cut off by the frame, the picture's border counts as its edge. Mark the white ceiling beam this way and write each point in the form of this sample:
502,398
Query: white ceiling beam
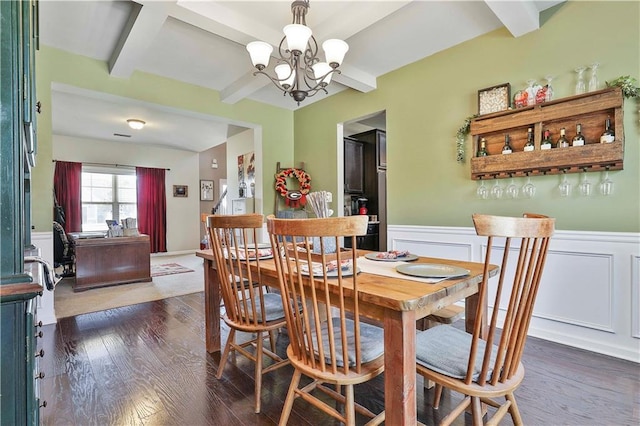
242,88
139,33
350,20
519,17
355,78
213,17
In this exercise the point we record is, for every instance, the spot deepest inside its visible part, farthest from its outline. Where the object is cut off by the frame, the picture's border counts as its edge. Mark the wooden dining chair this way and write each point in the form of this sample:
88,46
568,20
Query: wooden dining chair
248,306
485,365
328,342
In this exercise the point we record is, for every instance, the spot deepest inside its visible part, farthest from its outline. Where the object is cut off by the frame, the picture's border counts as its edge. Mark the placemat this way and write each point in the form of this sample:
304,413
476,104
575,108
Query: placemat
388,269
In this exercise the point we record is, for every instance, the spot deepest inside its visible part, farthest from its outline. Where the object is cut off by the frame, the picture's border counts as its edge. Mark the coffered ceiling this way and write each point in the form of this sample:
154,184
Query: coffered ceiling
203,43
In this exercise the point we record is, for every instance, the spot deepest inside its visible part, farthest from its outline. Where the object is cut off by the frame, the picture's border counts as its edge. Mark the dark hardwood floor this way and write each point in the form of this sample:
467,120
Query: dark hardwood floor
146,365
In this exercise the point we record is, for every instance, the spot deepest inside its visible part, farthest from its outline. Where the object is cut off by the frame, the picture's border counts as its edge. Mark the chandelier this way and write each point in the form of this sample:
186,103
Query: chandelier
299,73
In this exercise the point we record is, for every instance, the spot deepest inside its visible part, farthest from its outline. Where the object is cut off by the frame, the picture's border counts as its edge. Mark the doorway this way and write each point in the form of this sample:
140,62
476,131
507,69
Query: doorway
364,175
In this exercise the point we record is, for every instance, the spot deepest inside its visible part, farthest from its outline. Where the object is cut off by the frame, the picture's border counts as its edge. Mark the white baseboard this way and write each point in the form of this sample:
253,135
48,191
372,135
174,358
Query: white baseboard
173,253
589,294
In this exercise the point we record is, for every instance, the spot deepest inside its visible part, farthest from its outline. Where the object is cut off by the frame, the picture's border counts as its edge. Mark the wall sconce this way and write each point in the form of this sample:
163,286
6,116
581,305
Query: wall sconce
135,123
214,163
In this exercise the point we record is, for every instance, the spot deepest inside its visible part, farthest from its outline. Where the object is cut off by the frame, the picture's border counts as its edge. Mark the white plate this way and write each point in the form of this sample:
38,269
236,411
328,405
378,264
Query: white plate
431,270
347,272
408,258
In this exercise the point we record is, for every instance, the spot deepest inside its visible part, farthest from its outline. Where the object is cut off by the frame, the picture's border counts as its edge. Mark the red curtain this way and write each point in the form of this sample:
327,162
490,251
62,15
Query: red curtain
152,207
67,184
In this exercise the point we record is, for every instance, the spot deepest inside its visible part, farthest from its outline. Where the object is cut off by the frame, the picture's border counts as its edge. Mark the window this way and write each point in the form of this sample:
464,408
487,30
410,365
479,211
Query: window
107,194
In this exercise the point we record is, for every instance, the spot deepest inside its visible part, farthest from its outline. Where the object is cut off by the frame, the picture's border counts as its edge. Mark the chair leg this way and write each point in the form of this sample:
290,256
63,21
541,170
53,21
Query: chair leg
258,372
513,410
437,394
288,402
225,353
350,406
272,340
476,411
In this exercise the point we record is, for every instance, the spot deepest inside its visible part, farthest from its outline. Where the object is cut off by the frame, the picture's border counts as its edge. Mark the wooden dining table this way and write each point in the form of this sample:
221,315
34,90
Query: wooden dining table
395,302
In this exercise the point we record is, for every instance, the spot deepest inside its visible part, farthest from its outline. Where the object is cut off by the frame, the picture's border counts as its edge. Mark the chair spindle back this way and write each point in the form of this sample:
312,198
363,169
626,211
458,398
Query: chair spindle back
515,292
324,351
237,254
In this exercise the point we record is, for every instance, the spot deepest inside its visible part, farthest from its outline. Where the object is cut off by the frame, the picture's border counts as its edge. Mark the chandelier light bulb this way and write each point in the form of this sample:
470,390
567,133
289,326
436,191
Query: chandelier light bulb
334,51
285,75
297,37
135,123
322,69
260,53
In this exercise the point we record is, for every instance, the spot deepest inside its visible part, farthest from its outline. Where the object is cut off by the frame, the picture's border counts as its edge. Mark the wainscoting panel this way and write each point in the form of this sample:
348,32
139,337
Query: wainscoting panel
635,296
438,249
577,274
589,296
44,242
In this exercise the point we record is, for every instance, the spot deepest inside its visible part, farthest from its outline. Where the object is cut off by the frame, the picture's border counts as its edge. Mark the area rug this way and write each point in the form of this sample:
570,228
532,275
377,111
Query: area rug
68,303
168,269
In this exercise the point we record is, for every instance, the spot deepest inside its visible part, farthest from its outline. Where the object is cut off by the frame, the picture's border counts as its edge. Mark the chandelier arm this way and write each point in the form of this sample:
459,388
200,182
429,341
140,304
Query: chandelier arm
285,54
314,91
275,81
311,52
320,82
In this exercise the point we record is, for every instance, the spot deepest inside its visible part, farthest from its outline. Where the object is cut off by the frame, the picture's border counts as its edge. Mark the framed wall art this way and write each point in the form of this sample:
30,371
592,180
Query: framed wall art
180,191
206,190
494,99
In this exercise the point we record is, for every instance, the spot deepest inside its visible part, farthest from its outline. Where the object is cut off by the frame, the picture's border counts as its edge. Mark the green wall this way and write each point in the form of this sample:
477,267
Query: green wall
57,66
427,101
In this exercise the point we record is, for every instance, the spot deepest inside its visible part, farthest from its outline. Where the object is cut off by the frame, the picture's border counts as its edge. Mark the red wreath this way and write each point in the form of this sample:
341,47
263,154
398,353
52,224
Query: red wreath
298,197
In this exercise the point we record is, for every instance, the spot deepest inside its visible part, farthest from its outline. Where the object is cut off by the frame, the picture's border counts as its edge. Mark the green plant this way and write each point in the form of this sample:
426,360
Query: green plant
628,85
461,136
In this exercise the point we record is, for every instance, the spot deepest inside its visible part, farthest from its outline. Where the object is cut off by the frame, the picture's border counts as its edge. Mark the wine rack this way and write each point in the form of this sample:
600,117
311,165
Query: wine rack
589,109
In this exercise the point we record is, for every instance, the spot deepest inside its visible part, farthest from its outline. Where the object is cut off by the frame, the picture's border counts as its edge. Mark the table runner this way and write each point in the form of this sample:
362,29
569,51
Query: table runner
388,269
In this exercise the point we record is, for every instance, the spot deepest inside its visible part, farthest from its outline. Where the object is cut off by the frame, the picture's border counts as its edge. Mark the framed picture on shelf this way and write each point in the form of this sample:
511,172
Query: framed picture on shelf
206,190
494,99
180,191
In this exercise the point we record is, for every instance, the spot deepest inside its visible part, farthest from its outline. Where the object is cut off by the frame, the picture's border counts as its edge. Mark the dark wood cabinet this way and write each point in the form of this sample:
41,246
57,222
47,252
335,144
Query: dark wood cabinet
374,175
353,166
381,149
19,284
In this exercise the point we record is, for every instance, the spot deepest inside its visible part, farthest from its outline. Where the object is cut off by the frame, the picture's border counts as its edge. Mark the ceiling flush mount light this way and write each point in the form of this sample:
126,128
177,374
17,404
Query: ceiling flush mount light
299,72
135,123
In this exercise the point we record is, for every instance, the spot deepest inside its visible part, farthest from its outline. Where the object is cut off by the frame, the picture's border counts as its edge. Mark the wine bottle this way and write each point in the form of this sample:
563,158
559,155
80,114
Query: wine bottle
546,142
529,146
482,151
578,139
506,149
608,135
563,142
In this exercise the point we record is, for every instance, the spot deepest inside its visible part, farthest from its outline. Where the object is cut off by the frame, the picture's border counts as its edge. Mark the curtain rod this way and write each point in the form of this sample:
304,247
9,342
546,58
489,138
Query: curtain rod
115,165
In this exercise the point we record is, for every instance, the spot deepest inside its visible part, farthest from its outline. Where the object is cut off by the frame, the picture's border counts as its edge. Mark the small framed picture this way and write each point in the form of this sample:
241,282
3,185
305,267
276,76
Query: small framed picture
494,99
180,191
206,190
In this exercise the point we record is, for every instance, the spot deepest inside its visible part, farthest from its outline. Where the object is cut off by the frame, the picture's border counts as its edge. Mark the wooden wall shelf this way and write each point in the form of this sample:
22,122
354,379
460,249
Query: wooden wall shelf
590,110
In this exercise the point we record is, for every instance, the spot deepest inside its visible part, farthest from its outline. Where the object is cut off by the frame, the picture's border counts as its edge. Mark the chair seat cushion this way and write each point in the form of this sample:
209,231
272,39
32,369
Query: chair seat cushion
272,306
445,350
371,342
